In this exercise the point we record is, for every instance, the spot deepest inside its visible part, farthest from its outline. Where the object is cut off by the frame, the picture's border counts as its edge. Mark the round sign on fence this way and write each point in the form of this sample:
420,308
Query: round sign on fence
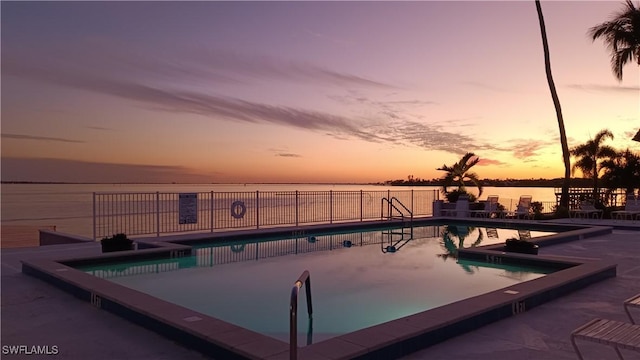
238,209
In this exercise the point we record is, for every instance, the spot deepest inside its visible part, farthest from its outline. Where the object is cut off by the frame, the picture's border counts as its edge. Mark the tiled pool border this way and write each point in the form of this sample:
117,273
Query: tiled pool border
389,340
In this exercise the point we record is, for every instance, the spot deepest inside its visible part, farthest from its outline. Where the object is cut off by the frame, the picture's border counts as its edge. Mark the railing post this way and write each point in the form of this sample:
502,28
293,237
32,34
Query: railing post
297,204
158,213
257,209
412,211
94,217
330,206
212,211
361,206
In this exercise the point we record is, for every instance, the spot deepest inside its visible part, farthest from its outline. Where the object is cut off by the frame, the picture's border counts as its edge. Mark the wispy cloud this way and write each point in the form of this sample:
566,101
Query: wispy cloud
289,155
284,152
39,138
397,130
606,88
527,150
490,162
183,66
100,128
391,121
40,169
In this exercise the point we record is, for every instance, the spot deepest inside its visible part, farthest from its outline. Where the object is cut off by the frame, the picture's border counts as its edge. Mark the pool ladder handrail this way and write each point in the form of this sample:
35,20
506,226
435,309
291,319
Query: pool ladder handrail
293,312
391,206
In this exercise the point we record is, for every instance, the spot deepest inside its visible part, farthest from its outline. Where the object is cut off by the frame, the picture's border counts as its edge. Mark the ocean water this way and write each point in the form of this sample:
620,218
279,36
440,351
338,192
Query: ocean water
69,207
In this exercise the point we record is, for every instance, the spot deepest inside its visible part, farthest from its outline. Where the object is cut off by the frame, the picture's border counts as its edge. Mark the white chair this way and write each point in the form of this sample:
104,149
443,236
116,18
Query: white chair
523,209
631,209
586,210
490,207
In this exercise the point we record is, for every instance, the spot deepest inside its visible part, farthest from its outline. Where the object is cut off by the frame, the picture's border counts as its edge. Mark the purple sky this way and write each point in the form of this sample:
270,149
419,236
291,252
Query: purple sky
300,91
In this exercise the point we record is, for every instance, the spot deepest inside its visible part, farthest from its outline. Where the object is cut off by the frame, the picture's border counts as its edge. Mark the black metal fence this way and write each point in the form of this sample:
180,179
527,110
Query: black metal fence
170,213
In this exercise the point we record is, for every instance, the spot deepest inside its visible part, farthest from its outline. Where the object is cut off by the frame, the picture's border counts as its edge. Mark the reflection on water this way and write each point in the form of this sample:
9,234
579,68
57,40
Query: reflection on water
453,238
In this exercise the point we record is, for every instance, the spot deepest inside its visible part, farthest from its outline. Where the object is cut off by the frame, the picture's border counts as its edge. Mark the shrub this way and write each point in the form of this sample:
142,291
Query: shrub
453,196
520,246
536,207
117,242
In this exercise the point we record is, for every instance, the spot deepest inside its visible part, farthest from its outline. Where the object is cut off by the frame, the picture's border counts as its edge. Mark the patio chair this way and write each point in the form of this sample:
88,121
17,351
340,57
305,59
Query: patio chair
631,209
523,208
586,210
461,209
490,207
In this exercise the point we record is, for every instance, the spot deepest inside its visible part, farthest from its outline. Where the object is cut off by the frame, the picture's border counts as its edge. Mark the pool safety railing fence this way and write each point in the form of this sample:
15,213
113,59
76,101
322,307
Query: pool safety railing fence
293,314
156,213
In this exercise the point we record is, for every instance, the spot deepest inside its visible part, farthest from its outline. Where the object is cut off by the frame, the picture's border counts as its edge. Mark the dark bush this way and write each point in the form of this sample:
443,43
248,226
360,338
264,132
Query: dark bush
520,246
118,242
453,196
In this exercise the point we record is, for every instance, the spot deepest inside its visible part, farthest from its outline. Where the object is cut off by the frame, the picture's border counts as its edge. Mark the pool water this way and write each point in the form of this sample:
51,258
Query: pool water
357,280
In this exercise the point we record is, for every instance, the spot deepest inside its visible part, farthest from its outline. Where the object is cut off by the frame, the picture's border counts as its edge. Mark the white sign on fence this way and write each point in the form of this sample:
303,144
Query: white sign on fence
188,206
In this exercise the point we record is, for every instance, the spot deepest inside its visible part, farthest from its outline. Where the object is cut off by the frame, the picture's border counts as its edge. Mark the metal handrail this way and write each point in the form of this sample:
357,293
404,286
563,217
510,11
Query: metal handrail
391,205
401,204
293,312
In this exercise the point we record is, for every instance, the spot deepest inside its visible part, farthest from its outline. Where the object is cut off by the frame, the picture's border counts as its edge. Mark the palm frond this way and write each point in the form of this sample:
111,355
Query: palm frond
621,36
602,135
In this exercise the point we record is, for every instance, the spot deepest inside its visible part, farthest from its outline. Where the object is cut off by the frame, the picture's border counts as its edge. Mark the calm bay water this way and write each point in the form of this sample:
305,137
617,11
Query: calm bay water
69,207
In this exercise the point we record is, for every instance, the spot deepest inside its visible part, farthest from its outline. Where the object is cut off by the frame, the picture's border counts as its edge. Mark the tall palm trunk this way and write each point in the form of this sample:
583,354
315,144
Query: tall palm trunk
564,197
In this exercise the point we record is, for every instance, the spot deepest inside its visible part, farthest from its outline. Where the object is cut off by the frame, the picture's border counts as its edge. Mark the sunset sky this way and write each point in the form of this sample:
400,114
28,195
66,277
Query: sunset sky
301,91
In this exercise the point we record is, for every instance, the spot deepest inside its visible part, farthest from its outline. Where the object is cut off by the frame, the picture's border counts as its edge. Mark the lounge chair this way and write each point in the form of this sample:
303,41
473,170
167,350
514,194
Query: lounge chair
490,207
619,335
633,302
523,209
586,210
631,210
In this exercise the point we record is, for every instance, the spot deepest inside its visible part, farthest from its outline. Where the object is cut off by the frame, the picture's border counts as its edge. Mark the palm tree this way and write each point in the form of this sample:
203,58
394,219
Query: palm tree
622,36
459,173
622,171
564,197
590,154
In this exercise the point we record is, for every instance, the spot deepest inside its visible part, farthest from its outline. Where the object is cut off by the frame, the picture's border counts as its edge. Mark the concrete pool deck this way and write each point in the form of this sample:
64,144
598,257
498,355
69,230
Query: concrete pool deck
36,313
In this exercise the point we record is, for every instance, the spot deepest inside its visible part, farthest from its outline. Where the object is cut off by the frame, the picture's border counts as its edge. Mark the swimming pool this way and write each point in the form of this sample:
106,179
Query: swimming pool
353,266
360,278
